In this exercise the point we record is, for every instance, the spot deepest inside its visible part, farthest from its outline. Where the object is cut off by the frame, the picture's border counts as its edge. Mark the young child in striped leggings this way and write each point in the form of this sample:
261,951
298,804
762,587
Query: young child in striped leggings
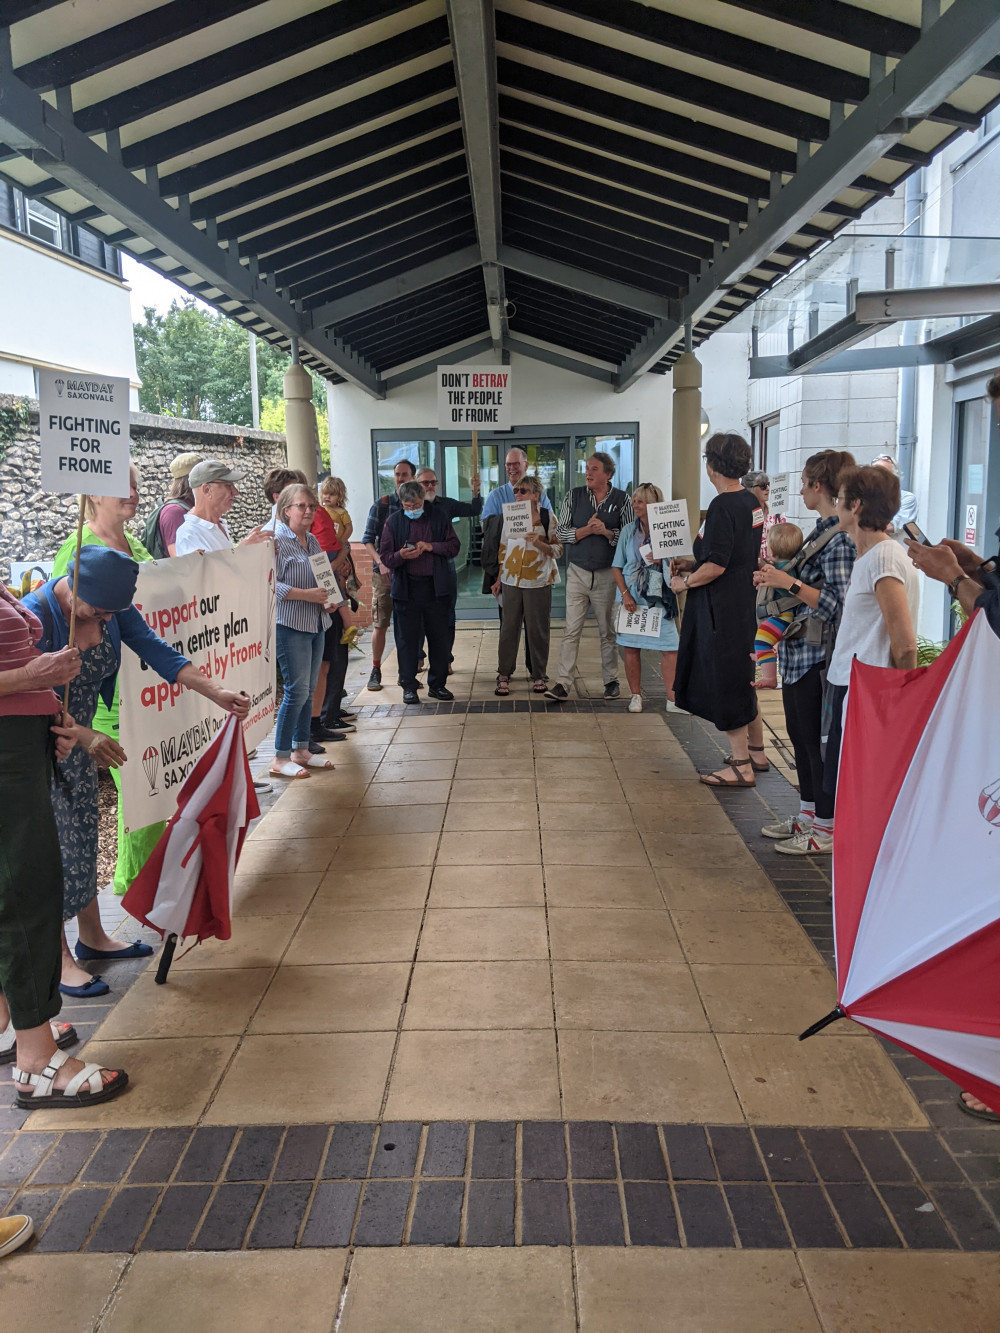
783,542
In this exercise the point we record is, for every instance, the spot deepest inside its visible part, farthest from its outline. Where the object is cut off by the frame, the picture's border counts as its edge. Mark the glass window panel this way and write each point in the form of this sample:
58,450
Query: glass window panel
620,447
421,453
43,223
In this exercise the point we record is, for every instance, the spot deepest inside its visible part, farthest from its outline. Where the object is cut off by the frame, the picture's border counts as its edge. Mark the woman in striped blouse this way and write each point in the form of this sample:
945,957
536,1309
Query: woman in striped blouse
300,631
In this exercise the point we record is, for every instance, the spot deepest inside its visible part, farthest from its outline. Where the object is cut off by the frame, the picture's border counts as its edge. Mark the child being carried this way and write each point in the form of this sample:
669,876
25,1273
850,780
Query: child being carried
784,541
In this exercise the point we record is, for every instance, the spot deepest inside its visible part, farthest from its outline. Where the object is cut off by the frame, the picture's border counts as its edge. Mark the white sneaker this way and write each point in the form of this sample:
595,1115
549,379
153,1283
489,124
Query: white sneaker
635,704
787,828
806,844
676,708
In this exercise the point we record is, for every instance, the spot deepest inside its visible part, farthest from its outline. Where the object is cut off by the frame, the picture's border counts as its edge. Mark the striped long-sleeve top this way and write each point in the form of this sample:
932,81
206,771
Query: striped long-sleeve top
294,571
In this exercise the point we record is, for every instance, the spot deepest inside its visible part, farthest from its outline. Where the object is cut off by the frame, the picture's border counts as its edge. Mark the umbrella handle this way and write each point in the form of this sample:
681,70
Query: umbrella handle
831,1017
166,958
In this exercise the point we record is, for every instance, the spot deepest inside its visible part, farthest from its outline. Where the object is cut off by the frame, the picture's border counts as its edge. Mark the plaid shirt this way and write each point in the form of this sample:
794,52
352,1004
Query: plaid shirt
830,567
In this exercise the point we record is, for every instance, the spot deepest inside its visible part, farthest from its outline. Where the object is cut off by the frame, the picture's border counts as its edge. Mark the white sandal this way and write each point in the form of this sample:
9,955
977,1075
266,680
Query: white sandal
286,769
8,1041
84,1089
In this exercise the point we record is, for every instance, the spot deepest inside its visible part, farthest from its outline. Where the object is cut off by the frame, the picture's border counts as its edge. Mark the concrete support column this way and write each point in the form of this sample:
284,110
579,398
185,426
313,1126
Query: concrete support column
301,435
686,443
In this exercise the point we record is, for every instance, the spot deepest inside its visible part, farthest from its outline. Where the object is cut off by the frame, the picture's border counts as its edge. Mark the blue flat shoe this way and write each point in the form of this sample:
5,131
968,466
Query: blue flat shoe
88,991
88,955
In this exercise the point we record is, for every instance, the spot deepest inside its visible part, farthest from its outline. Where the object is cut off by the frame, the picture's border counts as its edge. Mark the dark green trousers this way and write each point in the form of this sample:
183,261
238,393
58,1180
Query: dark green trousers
31,878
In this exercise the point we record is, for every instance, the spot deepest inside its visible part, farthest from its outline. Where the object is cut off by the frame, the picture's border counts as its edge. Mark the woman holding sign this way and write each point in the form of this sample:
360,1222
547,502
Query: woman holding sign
714,667
644,582
300,631
528,569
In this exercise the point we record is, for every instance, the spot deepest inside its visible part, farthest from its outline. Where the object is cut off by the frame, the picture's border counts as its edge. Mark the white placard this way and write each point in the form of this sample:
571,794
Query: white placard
326,578
777,501
669,529
477,396
516,519
35,568
218,610
644,620
83,426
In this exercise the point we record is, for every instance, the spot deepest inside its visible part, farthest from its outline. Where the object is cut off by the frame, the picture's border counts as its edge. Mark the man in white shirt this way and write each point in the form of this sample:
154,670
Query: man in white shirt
907,500
213,484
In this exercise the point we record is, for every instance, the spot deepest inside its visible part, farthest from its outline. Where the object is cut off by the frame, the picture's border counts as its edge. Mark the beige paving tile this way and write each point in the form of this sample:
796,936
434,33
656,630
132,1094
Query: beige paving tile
571,749
583,816
403,752
638,773
770,999
253,1291
503,767
639,1076
354,937
388,849
349,997
683,792
429,724
744,937
552,773
474,1076
720,889
381,795
439,735
518,746
903,1292
426,1290
427,770
584,934
627,997
171,1080
576,786
599,886
196,1003
336,791
380,890
43,1292
282,823
693,1291
256,941
517,848
477,816
678,851
617,850
676,817
274,895
275,856
842,1081
487,886
483,934
479,996
397,819
357,751
304,1078
516,791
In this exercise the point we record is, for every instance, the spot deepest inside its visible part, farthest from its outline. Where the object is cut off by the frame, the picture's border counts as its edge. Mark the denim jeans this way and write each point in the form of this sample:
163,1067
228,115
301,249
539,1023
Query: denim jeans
299,656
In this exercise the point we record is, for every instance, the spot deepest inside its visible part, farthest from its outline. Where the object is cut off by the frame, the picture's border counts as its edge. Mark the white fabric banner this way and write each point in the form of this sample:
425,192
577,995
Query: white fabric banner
218,610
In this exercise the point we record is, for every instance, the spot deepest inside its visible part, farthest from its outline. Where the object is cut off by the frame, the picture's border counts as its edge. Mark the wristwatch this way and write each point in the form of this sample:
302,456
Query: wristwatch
795,588
954,584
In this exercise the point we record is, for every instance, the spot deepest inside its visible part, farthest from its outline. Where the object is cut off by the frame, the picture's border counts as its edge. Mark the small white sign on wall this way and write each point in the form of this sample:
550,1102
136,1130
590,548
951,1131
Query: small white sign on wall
84,434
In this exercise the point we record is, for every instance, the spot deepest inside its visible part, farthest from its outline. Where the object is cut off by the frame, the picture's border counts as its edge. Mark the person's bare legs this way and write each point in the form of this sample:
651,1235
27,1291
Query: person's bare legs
755,732
36,1047
668,669
378,644
94,936
738,742
633,670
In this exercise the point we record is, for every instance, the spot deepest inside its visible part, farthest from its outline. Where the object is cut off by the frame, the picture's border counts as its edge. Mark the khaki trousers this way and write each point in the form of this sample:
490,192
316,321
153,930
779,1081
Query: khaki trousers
586,588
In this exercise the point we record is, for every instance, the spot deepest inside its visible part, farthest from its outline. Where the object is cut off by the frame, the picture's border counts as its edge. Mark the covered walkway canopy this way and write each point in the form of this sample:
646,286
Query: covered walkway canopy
392,184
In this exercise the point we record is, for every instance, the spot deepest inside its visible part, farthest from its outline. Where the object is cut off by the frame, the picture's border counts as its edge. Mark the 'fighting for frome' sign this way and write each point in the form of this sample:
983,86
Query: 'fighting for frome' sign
83,428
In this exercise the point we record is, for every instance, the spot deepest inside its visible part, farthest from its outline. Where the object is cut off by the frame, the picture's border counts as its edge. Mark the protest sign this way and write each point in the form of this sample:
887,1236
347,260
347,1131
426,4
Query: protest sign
217,610
644,620
777,501
669,529
83,427
474,396
326,578
516,519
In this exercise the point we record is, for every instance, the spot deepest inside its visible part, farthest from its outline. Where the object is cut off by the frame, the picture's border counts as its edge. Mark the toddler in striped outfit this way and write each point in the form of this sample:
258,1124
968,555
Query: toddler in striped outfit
784,541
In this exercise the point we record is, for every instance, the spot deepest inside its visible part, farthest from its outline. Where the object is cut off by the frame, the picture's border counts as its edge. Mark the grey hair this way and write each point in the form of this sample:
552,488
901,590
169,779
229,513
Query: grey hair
410,490
516,449
753,479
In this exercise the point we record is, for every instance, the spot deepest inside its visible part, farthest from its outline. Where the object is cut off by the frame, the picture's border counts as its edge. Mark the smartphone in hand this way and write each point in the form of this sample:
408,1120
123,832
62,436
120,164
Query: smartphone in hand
915,535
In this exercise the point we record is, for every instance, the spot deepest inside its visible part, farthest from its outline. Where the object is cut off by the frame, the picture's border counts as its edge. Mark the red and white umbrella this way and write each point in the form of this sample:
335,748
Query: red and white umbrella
916,863
185,888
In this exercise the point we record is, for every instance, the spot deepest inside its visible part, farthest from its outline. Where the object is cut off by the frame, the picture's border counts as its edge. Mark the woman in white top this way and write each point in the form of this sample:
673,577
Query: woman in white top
528,570
877,625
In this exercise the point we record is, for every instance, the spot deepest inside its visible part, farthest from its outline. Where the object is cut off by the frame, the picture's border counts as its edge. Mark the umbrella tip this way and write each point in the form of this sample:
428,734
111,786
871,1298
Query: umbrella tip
831,1017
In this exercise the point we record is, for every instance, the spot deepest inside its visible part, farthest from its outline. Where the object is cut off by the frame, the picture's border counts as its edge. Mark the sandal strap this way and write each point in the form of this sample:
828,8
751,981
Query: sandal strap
90,1075
41,1084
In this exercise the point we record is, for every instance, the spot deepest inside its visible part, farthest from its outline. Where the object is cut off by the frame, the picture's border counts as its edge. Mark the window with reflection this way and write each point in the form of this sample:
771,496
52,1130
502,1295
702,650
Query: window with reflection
620,447
421,453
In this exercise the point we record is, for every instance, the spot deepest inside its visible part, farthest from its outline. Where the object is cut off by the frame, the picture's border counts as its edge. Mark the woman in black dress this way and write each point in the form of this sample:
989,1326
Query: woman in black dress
714,668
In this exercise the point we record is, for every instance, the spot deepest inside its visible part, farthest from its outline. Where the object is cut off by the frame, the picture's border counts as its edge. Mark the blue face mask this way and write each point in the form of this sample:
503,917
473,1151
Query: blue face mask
413,513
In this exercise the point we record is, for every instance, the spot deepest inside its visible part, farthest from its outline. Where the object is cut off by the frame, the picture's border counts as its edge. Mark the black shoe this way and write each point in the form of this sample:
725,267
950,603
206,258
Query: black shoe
612,690
345,716
375,679
342,726
320,732
417,685
441,693
557,693
411,697
316,748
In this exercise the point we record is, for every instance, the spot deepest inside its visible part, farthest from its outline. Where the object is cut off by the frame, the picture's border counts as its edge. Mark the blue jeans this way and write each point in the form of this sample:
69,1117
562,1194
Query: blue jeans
299,656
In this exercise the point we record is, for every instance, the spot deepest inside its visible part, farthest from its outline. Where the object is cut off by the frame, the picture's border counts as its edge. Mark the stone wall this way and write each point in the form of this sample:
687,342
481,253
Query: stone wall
34,524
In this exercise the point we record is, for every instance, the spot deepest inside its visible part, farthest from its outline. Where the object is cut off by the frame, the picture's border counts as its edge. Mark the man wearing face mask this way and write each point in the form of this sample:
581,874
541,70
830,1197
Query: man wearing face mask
418,543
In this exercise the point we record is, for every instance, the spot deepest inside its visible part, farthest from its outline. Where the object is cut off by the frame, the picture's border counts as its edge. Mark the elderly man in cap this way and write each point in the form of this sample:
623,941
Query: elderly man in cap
213,484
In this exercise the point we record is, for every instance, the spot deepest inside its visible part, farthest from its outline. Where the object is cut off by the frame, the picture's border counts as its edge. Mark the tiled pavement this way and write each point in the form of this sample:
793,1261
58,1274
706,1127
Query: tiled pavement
518,1063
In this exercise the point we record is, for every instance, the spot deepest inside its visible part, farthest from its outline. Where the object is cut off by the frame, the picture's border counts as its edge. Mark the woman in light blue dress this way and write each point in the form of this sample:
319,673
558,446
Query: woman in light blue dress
642,581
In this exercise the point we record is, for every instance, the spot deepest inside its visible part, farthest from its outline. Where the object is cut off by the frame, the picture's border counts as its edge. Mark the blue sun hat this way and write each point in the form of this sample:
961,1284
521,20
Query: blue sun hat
107,578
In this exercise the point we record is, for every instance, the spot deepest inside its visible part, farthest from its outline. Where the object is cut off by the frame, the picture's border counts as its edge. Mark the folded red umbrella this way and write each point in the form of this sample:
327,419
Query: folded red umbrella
185,888
916,863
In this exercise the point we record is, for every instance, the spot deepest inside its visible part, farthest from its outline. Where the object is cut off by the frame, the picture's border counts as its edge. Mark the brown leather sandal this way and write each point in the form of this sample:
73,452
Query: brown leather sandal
712,780
757,767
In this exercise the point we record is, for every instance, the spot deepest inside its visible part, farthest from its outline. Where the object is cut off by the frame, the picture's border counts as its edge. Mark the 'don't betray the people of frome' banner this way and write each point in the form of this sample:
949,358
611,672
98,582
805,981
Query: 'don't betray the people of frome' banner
218,609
